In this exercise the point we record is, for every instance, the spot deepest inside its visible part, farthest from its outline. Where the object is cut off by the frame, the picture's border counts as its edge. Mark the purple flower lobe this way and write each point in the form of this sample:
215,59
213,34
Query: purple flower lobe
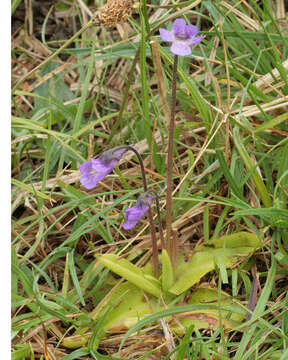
182,37
95,170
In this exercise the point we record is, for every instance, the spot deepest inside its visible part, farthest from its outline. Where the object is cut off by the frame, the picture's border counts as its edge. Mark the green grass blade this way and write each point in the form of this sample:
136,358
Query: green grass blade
80,110
74,277
251,167
228,175
14,5
30,189
77,354
272,123
260,307
23,352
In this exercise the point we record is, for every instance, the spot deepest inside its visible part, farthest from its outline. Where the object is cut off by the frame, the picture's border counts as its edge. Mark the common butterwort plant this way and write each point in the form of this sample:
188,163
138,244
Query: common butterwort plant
164,287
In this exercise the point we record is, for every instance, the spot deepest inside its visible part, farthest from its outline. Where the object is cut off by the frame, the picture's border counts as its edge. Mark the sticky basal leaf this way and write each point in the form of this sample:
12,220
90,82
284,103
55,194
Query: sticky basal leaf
131,273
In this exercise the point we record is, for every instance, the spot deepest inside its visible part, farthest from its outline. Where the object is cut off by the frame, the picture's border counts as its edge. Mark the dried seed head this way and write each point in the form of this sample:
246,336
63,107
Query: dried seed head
115,11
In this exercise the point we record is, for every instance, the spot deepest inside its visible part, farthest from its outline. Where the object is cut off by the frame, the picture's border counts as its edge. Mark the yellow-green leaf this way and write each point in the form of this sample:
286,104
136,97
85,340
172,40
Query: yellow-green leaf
223,252
131,273
167,271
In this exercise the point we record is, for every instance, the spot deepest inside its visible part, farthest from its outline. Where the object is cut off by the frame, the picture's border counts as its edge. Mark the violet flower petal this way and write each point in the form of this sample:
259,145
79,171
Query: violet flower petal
166,35
98,171
136,212
182,37
95,170
129,224
86,167
195,40
89,181
191,30
181,49
178,26
100,166
133,215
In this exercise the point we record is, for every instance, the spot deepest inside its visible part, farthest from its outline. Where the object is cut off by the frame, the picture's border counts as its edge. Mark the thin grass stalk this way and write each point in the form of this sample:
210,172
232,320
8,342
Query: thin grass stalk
145,124
80,108
125,97
171,247
258,181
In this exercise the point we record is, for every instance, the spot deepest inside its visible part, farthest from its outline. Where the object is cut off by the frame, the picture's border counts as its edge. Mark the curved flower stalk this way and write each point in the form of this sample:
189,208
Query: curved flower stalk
182,37
95,170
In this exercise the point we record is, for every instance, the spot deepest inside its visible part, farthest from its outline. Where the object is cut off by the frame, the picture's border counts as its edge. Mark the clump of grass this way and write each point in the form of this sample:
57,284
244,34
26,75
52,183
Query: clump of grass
229,175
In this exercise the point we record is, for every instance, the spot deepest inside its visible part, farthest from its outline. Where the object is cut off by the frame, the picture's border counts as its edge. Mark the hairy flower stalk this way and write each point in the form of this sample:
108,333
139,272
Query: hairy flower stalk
171,247
182,37
159,222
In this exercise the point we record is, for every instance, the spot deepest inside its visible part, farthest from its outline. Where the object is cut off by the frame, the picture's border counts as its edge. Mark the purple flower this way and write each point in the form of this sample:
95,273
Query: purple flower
182,37
95,170
135,213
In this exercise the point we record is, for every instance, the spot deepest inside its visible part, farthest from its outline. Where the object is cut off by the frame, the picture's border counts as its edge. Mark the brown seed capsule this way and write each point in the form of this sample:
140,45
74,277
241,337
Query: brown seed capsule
115,11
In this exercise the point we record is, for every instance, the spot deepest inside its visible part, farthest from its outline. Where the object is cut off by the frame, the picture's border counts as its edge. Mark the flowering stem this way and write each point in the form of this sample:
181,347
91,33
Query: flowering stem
158,217
155,258
150,216
160,223
140,163
171,247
